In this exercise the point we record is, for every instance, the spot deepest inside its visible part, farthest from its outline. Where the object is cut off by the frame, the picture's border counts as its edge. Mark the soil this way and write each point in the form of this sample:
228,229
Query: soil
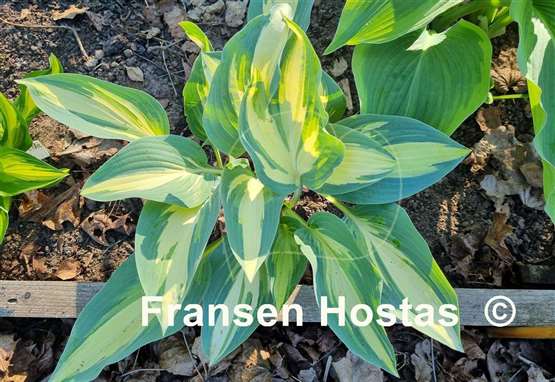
87,240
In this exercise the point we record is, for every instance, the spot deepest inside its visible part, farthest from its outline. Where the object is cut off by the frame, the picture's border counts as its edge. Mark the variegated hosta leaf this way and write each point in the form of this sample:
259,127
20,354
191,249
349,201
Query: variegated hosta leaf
98,108
195,34
170,169
286,264
21,172
423,156
341,269
197,87
5,204
252,213
301,9
365,162
24,103
333,98
380,21
283,132
169,243
261,41
437,78
549,189
406,265
230,286
13,131
110,326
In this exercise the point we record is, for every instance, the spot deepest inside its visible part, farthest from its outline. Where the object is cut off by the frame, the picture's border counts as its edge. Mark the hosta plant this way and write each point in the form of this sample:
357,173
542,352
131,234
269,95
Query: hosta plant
267,124
431,60
19,171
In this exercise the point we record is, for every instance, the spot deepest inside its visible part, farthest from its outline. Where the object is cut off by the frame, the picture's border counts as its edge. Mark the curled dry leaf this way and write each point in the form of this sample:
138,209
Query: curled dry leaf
70,13
421,360
68,270
97,224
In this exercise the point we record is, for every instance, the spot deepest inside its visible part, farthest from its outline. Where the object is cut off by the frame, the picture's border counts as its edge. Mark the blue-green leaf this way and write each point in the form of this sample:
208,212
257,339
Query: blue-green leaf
437,78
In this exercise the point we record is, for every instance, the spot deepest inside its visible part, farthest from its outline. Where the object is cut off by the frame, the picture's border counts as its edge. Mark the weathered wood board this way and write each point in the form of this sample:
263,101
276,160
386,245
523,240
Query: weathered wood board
65,299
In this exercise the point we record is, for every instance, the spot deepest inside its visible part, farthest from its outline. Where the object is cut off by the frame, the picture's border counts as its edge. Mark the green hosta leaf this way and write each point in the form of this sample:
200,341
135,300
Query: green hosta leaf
424,156
333,98
341,269
24,103
286,264
13,131
21,172
197,88
5,204
110,326
252,214
261,41
98,108
169,169
406,265
195,34
283,133
169,244
407,80
536,58
301,9
379,21
230,286
365,162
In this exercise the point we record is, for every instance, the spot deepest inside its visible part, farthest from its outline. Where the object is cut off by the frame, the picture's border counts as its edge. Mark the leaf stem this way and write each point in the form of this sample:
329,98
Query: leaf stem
340,206
511,96
292,214
212,170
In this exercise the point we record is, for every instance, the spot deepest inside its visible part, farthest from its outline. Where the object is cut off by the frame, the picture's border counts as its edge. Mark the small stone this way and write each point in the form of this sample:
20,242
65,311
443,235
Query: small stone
235,13
91,62
127,53
99,54
135,74
190,47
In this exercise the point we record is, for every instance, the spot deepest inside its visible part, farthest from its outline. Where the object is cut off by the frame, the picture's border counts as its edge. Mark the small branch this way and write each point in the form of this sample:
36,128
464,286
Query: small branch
73,30
168,70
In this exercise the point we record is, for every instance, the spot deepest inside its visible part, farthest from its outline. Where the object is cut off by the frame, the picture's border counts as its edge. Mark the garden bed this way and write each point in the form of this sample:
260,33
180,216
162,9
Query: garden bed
480,240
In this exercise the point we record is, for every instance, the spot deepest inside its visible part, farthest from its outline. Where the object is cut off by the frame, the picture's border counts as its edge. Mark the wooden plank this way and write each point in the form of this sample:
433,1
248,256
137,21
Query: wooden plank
65,299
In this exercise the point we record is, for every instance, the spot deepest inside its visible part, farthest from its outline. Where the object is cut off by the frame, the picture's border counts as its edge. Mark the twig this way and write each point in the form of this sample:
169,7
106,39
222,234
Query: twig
191,355
168,70
73,30
139,371
432,356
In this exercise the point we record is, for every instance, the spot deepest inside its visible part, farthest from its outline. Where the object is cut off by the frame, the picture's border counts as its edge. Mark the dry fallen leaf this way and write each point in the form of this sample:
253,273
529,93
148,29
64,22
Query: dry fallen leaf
497,234
67,211
68,270
421,361
39,264
98,223
70,13
175,358
351,368
33,202
90,150
172,18
7,348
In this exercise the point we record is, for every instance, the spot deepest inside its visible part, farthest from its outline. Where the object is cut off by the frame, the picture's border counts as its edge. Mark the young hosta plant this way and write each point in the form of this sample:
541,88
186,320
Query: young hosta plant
19,171
431,64
265,106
